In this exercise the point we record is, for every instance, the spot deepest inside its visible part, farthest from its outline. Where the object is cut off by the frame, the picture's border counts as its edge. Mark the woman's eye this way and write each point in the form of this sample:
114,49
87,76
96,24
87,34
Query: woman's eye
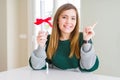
73,18
63,17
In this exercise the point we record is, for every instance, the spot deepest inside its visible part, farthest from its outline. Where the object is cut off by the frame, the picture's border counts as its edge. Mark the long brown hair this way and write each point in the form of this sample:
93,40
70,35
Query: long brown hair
55,35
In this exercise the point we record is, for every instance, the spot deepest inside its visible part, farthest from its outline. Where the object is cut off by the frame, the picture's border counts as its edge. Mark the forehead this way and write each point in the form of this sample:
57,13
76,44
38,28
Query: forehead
71,12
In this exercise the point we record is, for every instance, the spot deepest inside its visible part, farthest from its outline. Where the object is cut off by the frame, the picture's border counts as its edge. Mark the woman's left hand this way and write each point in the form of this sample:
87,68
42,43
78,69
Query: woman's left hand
88,32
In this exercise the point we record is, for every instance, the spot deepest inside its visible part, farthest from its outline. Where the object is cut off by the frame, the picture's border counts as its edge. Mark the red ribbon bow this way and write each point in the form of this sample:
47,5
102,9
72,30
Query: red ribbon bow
40,21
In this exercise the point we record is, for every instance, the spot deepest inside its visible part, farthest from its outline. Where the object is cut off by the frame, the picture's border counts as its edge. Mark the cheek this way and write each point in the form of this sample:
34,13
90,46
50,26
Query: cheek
74,24
60,23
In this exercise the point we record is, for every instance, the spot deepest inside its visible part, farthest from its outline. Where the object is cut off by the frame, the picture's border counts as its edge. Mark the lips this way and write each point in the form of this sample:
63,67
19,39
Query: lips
67,27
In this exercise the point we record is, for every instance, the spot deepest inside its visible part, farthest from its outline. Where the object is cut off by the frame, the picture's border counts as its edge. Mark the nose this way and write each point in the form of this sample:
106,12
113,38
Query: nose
68,20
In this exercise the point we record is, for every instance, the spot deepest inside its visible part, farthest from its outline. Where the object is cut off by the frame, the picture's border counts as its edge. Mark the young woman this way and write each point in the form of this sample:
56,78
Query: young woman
66,47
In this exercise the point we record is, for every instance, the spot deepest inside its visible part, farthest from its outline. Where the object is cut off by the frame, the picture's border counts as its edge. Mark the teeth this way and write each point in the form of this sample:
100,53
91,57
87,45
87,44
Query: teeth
67,26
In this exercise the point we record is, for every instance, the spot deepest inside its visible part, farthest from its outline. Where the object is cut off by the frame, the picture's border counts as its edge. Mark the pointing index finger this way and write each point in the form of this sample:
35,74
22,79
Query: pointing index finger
94,25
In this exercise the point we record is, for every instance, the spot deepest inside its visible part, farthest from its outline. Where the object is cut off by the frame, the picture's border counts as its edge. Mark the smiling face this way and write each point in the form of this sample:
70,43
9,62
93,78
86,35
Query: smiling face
67,21
65,27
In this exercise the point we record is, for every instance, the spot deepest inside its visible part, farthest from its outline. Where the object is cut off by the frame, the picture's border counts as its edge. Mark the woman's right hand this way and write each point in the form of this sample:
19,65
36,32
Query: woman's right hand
42,38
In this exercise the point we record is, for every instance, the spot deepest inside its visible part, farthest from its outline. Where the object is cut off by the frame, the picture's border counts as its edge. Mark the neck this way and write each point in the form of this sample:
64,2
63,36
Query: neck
65,37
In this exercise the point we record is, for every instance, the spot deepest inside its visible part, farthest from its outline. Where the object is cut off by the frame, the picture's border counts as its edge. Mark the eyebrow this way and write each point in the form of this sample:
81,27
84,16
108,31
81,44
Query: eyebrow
67,15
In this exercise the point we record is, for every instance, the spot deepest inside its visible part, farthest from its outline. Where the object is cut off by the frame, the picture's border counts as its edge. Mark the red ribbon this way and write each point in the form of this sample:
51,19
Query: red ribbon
40,21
